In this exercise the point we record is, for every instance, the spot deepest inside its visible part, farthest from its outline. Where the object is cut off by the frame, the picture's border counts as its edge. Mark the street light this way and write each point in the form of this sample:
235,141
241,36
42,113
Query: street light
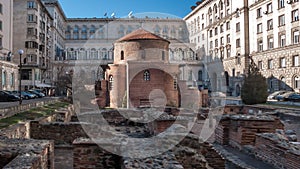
20,74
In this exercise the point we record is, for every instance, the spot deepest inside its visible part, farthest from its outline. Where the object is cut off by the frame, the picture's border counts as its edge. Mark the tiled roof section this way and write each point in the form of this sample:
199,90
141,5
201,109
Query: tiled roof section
141,34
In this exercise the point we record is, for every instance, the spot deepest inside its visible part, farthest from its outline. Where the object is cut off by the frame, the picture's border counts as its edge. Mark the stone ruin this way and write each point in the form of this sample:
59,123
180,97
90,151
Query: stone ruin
60,141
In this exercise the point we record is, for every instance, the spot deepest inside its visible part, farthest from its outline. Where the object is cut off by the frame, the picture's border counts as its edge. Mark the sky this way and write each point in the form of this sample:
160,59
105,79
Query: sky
121,8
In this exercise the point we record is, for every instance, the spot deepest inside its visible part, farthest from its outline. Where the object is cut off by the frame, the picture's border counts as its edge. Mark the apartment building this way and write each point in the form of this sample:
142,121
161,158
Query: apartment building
219,29
9,70
58,33
32,33
274,38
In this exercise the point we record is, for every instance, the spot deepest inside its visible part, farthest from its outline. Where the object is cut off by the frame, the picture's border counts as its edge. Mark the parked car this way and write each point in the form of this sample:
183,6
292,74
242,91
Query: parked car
11,92
273,96
295,97
28,95
6,97
25,95
40,95
284,96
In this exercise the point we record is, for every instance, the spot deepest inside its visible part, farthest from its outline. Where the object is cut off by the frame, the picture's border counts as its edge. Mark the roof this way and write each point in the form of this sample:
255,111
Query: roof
141,34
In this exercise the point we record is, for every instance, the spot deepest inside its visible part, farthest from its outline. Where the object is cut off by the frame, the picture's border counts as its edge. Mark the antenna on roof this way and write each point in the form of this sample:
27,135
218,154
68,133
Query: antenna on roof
130,14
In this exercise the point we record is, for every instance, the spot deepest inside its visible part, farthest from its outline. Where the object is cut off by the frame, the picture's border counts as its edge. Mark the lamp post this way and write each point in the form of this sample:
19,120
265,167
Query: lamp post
20,74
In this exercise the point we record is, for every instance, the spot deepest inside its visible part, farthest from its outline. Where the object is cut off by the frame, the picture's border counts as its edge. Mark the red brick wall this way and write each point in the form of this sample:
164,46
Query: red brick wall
140,89
102,94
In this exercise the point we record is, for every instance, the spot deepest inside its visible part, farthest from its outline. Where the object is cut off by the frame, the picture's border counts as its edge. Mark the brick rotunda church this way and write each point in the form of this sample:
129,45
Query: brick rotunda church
141,74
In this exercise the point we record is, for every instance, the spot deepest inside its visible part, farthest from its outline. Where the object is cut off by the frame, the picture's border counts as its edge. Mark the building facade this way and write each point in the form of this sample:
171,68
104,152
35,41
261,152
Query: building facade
58,36
274,37
89,43
9,70
32,33
219,29
232,33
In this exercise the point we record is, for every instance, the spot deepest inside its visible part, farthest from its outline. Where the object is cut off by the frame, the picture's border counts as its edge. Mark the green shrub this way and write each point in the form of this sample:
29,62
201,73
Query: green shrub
254,89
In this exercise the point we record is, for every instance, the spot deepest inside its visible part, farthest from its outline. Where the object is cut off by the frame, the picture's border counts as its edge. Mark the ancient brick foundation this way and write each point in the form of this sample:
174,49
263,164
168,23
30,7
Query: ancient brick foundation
89,155
277,150
239,130
26,153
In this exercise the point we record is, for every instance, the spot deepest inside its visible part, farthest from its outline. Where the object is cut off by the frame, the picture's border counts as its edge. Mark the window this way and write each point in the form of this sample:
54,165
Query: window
238,27
260,65
296,36
3,78
259,28
228,52
270,8
222,40
281,20
1,9
200,75
216,31
26,74
146,75
31,32
270,64
260,45
296,82
12,79
211,44
0,41
190,77
270,24
282,40
203,26
216,43
282,62
259,13
295,15
0,25
227,25
122,55
238,43
31,4
203,37
296,60
270,43
111,82
175,83
31,44
221,29
162,55
210,33
31,18
281,4
228,38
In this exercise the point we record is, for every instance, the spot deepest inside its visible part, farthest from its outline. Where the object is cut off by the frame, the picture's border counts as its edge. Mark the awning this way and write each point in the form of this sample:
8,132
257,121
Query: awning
43,85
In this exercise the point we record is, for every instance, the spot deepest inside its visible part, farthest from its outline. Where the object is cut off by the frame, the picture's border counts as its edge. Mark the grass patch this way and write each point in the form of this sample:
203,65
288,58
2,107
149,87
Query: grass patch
32,114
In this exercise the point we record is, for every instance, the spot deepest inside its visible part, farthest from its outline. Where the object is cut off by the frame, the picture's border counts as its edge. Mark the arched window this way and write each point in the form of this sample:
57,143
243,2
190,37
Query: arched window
282,83
122,55
111,81
200,78
296,82
146,75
